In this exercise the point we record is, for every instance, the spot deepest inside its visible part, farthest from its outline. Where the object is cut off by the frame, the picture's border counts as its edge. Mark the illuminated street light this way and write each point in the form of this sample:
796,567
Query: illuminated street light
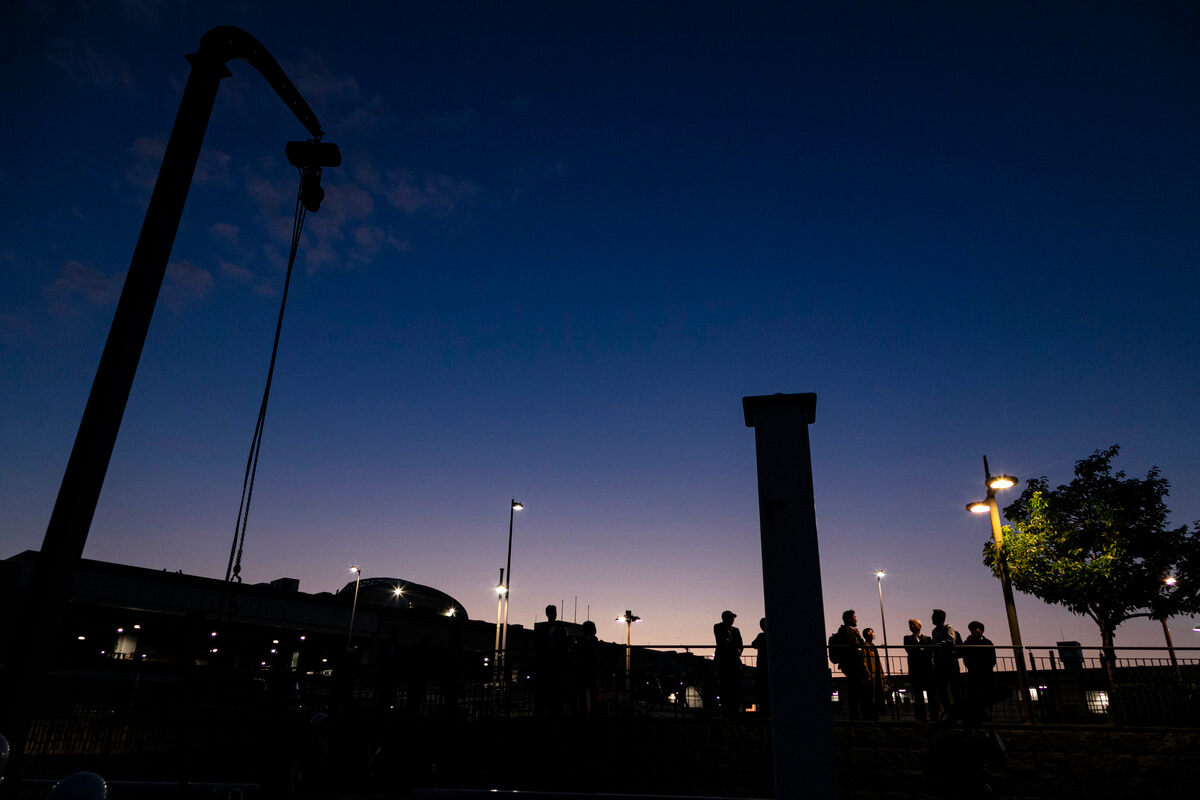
879,576
501,590
354,607
629,618
512,509
994,483
1170,582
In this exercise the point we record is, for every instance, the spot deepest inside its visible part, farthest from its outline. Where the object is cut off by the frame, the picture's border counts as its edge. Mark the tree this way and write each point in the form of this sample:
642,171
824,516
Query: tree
1100,546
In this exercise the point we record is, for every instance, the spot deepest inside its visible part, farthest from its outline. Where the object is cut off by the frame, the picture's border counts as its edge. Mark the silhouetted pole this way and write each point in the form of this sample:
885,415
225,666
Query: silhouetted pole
354,607
512,509
801,711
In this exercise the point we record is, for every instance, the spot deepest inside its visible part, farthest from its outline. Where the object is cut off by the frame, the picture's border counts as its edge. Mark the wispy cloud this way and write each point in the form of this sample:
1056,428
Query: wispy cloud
339,97
434,192
88,66
146,156
224,231
78,281
259,285
184,284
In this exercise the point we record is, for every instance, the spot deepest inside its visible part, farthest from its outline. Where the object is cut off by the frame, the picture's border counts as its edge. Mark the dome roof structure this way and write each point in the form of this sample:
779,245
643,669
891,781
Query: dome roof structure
400,595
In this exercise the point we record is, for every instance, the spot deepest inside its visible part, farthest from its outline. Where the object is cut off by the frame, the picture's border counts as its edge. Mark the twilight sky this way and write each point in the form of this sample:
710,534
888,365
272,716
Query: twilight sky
565,241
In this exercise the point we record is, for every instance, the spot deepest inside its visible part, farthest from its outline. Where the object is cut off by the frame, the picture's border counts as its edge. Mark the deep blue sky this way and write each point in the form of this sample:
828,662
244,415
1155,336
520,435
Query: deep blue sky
566,240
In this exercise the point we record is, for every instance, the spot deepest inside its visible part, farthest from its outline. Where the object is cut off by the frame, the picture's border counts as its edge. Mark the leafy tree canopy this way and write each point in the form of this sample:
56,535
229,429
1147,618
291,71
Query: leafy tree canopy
1100,546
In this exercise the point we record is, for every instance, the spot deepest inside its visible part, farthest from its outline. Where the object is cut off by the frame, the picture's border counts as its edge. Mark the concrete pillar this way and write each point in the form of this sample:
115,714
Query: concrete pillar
801,711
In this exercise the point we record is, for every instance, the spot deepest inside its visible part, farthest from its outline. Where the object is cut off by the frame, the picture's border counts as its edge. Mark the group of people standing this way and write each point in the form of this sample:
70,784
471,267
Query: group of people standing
728,659
933,670
567,667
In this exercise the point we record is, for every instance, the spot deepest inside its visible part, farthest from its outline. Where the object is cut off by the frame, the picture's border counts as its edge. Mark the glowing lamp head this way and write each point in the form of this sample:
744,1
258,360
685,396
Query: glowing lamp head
880,574
516,505
980,507
1002,482
501,588
356,570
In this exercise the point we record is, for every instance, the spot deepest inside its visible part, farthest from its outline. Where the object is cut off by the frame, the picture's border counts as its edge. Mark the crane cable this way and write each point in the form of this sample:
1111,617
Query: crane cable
234,570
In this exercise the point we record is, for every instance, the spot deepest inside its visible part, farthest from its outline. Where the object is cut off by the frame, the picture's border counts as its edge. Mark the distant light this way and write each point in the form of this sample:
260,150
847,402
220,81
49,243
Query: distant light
272,650
356,569
450,613
214,633
501,588
880,574
1002,482
120,630
137,627
980,507
1170,581
302,638
82,638
398,591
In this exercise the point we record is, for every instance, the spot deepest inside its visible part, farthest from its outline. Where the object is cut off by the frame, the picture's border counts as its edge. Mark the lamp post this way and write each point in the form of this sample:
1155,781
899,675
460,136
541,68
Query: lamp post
989,507
353,608
629,618
512,509
1169,582
887,667
501,590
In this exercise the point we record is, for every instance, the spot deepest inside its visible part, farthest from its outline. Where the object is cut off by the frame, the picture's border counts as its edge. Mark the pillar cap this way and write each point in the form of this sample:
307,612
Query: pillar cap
806,402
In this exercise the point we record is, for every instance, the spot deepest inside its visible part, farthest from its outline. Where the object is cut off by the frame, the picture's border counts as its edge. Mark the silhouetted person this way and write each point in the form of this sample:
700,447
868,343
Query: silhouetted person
945,667
728,658
874,680
850,662
980,659
919,648
550,643
762,681
586,678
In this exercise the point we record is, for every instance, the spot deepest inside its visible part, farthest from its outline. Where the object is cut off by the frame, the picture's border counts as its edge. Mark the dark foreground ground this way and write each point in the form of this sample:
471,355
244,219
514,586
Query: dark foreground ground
675,757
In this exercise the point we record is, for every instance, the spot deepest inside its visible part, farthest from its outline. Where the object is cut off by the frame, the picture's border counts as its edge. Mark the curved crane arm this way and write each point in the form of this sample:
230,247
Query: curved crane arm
226,42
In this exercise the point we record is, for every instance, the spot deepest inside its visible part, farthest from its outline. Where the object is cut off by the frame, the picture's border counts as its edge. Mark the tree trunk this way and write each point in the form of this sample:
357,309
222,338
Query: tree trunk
1108,655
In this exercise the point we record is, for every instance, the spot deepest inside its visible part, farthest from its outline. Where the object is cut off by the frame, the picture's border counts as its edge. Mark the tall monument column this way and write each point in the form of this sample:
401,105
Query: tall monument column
801,711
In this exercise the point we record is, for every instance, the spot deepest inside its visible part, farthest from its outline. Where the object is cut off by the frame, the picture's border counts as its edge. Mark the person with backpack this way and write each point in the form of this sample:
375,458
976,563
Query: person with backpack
846,650
946,692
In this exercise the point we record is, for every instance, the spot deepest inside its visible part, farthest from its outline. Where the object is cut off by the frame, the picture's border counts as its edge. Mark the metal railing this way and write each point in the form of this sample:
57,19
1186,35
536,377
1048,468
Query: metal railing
161,723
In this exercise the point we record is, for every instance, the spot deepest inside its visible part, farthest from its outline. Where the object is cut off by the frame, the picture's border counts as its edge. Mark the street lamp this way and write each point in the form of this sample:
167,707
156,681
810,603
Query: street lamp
512,509
353,608
629,618
883,622
501,590
1170,582
988,506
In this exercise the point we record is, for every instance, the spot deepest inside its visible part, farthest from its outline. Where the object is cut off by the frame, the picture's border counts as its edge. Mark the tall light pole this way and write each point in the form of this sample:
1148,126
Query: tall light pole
883,622
629,618
989,507
353,608
1170,582
512,509
501,590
